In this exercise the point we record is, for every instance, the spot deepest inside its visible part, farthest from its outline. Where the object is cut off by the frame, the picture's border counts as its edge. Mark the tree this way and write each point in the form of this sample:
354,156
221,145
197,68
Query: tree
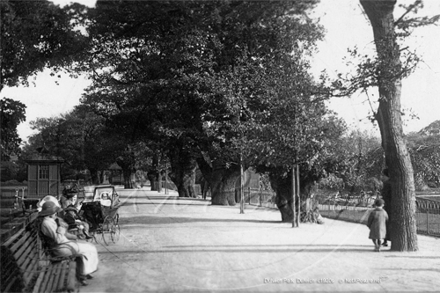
356,162
80,138
186,71
388,116
12,114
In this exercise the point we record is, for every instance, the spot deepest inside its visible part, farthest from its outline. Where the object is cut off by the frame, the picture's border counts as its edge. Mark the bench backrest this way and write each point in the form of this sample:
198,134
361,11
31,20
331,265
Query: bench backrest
20,256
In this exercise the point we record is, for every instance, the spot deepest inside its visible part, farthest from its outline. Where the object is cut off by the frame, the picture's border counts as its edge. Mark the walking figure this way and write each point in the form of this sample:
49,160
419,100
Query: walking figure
377,223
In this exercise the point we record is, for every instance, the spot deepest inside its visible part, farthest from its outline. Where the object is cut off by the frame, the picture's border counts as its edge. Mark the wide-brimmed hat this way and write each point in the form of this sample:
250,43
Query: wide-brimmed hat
49,208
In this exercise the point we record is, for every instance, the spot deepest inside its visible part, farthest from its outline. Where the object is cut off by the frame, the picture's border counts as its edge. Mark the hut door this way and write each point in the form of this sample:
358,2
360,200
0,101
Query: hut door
53,180
32,181
43,180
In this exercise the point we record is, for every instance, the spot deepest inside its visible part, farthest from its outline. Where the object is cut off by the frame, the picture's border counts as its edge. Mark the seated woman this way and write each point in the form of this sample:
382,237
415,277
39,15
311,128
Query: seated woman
53,233
71,206
47,198
73,219
70,197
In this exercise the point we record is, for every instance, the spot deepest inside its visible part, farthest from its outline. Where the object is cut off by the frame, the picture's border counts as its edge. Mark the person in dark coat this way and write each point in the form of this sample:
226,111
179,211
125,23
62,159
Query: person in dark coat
386,196
377,222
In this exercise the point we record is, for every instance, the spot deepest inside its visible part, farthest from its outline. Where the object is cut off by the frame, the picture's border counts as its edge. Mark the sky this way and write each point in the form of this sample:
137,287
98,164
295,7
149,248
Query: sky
346,27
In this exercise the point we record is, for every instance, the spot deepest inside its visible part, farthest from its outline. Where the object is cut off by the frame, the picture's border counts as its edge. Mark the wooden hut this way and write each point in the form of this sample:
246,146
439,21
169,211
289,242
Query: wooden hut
44,175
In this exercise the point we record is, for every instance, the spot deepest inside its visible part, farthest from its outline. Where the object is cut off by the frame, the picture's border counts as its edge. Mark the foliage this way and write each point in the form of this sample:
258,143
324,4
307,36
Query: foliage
358,166
193,74
424,148
12,114
79,137
367,70
35,35
356,161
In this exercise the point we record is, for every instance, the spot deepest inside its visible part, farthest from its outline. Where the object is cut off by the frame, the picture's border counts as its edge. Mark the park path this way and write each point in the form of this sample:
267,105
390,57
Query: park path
169,244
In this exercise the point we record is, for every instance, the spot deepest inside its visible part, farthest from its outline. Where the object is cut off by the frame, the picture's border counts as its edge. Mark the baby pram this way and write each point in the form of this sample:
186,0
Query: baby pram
102,214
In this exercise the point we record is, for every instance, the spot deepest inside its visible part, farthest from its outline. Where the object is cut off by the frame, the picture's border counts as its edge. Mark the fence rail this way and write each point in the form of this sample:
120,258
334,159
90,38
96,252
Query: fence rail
427,213
259,197
428,216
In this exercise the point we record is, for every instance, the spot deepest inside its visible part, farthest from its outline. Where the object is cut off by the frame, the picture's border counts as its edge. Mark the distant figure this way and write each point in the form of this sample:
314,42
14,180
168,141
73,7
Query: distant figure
377,222
386,196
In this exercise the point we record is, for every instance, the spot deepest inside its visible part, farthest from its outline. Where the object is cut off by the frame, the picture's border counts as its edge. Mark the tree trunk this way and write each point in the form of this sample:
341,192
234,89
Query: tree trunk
222,184
183,166
153,175
403,231
128,184
221,181
304,203
94,176
283,199
184,178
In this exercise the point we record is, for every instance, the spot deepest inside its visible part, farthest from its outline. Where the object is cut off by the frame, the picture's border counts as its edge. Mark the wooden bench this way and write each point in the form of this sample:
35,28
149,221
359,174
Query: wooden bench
25,267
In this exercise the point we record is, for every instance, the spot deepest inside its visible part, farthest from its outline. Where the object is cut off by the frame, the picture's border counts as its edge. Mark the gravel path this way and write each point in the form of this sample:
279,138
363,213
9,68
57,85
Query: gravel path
169,244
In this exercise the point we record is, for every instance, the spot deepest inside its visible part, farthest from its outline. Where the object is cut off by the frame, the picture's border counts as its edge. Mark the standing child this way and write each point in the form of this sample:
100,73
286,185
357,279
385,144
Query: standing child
377,222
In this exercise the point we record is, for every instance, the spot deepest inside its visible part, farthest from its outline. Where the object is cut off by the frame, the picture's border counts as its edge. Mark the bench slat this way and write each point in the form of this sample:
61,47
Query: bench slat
24,254
31,270
62,281
26,236
72,283
46,273
53,273
38,283
14,237
58,276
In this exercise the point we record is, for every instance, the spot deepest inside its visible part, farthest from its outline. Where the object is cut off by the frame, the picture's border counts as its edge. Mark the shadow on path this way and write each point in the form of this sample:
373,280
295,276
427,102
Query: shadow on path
160,220
256,249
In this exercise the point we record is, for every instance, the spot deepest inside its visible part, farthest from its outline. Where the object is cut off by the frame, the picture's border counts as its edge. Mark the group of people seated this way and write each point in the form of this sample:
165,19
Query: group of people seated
55,222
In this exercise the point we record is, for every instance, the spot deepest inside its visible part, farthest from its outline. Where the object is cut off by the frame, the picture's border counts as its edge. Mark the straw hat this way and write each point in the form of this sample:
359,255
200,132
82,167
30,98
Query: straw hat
49,208
46,199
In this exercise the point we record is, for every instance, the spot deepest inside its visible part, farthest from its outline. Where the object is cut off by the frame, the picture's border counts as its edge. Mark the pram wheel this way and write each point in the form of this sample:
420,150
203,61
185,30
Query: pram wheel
110,230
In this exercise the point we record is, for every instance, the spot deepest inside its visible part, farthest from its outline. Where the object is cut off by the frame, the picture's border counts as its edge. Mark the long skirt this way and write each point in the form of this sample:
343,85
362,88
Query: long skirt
86,252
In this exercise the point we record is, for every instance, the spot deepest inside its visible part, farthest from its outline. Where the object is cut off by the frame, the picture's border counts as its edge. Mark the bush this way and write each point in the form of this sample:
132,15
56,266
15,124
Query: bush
14,183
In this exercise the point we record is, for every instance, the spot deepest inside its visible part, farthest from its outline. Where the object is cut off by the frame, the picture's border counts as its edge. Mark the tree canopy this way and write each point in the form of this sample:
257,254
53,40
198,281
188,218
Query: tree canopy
36,35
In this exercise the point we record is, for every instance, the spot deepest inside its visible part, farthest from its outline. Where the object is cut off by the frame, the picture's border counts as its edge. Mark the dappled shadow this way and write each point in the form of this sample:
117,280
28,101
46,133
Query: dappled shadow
293,248
155,197
414,256
272,245
127,204
410,269
155,220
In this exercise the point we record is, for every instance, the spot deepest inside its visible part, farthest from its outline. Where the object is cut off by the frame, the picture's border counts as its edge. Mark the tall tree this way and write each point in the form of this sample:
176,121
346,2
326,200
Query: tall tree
186,70
388,116
80,138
